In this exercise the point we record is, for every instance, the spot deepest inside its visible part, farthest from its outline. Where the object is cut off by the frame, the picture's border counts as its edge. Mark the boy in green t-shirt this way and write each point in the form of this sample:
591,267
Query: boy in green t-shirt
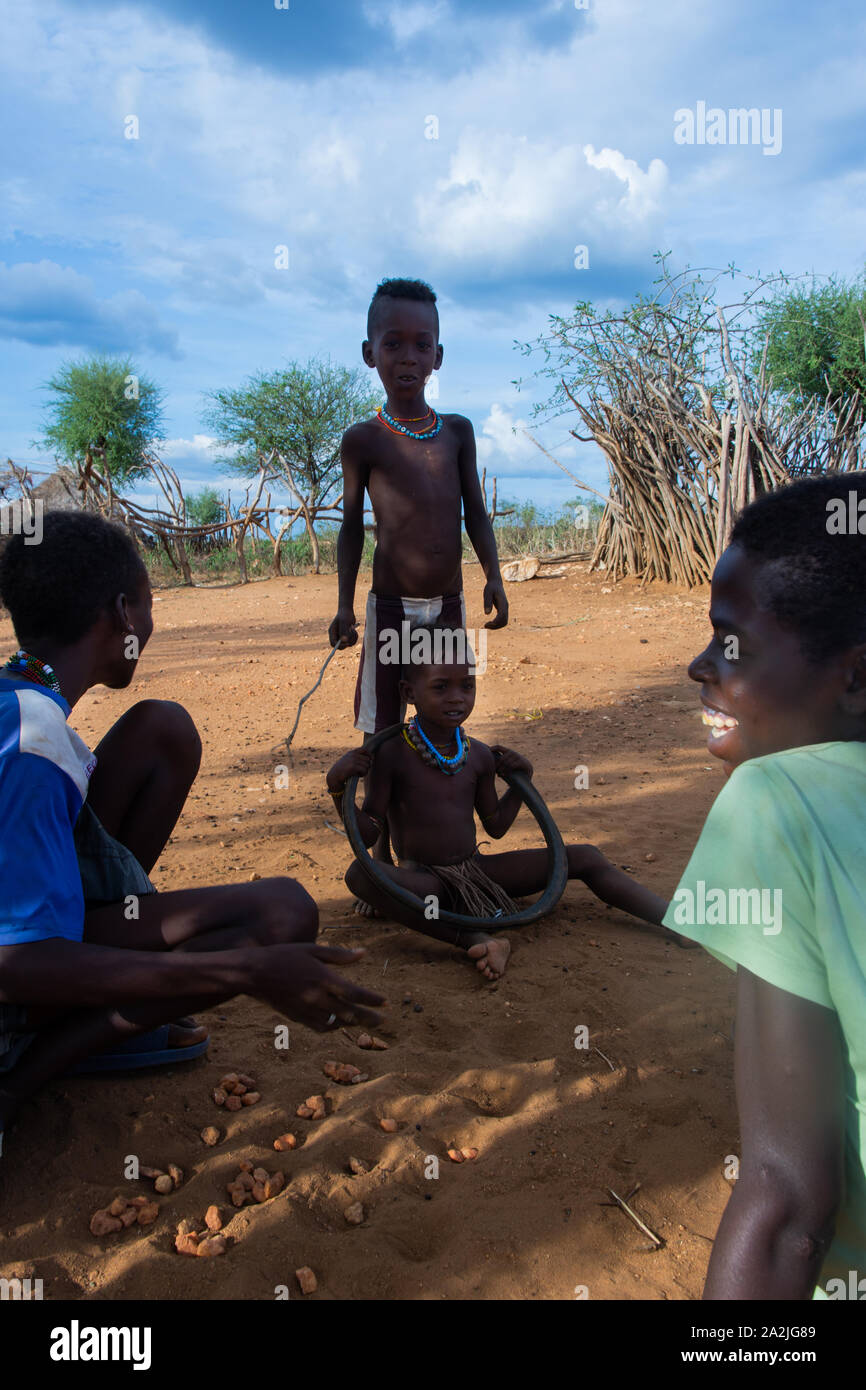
776,886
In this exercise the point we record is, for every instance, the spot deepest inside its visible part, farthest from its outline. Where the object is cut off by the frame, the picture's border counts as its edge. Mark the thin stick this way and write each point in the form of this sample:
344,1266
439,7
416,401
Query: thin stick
306,697
624,1206
607,1059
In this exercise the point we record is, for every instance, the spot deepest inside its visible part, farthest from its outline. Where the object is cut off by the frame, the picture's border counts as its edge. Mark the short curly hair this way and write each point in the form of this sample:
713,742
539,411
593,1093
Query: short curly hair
59,588
418,290
813,577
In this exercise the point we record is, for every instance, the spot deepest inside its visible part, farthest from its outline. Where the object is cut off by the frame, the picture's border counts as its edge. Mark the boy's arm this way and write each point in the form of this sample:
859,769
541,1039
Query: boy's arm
358,763
498,814
780,1219
350,543
479,528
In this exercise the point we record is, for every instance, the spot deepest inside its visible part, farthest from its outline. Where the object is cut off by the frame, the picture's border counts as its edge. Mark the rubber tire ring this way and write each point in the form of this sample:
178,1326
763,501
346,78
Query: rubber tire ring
533,800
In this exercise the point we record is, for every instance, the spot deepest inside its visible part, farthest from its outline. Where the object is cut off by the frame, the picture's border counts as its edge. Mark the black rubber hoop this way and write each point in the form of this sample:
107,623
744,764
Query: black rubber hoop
557,860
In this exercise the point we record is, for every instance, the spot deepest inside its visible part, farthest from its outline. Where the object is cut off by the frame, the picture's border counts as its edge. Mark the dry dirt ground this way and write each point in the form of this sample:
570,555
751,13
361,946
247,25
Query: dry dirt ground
586,674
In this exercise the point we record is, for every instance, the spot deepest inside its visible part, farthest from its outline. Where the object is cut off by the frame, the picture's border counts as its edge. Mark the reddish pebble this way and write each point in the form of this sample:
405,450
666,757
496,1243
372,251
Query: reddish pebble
220,1095
164,1185
118,1206
307,1279
258,1192
469,1153
147,1215
101,1224
187,1244
455,1155
129,1217
251,1098
274,1185
285,1141
354,1214
213,1219
233,1103
210,1136
390,1126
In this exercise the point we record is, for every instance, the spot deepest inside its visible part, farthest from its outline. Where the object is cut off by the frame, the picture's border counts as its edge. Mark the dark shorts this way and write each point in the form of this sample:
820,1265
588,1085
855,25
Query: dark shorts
109,873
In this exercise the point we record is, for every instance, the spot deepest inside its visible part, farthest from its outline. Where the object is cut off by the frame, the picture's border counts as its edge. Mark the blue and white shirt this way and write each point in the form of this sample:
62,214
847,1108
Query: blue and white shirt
45,769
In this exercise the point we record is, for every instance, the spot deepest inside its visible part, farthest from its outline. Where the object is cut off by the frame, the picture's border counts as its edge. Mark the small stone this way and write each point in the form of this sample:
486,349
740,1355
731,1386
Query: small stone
274,1185
358,1166
220,1095
248,1081
164,1185
354,1214
649,858
260,1175
147,1215
118,1206
284,1142
239,1089
246,1166
306,1279
176,1174
129,1217
230,1080
455,1155
390,1126
251,1098
379,1045
150,1172
233,1103
213,1219
364,1040
258,1192
210,1136
215,1245
246,1181
304,1112
186,1244
139,1201
469,1154
186,1227
101,1224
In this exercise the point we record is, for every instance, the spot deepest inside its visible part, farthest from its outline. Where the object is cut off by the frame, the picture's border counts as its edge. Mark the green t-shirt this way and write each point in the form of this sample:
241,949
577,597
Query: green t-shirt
777,884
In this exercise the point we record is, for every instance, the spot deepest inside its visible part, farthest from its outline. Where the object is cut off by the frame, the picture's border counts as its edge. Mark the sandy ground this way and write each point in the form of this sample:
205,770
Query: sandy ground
469,1063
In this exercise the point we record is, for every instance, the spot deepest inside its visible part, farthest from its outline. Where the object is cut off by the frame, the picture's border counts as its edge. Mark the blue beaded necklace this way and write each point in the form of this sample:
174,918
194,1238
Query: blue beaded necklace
448,765
396,428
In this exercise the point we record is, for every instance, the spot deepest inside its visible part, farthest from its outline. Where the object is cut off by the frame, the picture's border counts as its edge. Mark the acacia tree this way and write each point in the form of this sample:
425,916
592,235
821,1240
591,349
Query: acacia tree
815,341
290,422
103,407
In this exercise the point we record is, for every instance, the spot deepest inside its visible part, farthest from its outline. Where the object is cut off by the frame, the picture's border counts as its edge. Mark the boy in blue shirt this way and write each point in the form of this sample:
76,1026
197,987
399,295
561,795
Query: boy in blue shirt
90,954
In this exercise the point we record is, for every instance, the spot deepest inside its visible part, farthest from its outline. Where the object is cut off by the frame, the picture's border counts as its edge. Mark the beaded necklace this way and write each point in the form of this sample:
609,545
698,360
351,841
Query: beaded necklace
393,424
418,740
23,664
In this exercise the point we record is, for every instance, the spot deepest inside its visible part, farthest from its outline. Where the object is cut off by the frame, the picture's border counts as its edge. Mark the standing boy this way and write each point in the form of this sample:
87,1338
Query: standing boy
419,468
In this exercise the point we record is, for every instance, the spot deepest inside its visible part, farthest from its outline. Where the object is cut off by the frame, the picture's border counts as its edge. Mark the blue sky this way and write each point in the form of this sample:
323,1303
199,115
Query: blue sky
307,127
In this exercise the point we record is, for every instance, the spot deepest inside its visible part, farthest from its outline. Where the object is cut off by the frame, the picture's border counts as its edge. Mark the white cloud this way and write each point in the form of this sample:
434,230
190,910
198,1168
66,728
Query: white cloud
644,191
407,21
200,448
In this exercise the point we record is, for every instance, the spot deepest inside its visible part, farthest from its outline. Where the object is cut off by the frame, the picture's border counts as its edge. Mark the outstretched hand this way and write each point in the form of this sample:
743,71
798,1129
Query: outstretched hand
297,982
355,763
494,597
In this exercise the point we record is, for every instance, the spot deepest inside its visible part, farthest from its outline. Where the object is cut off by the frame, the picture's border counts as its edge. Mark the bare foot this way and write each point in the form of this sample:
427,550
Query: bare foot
491,956
365,909
180,1034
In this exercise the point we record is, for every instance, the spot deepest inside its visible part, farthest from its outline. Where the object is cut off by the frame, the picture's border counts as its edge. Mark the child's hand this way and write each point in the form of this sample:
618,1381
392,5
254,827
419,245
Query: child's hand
343,631
509,761
494,597
353,764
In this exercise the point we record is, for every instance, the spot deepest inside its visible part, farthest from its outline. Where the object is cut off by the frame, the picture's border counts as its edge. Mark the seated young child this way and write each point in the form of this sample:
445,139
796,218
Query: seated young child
426,785
91,956
776,887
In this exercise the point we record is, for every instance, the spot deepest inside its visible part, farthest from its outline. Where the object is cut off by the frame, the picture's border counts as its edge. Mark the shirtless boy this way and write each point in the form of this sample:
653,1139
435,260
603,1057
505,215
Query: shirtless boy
418,468
427,784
